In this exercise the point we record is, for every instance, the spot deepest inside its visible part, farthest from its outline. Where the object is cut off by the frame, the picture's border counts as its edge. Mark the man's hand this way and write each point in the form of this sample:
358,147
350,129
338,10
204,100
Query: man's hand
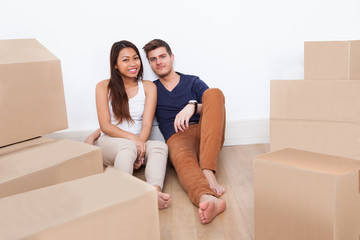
181,122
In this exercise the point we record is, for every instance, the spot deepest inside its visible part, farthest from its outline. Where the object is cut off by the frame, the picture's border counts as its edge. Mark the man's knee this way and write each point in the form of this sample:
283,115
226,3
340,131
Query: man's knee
178,158
213,93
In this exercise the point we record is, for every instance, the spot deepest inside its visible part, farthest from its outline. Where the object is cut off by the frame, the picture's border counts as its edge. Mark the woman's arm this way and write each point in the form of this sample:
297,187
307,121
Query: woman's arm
93,137
149,109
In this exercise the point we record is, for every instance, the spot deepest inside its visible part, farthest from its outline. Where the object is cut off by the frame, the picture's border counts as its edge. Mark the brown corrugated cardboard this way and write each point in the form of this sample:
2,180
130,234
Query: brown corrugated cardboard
46,164
334,138
332,60
32,101
319,116
110,205
25,144
303,195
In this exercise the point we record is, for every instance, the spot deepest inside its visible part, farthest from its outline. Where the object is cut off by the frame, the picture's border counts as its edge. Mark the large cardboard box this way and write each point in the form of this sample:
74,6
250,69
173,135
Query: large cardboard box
303,195
43,162
110,205
32,101
318,116
332,60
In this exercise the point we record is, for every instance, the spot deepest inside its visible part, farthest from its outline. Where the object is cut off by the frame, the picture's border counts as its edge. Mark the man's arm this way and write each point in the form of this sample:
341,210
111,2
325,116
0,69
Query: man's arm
182,119
181,122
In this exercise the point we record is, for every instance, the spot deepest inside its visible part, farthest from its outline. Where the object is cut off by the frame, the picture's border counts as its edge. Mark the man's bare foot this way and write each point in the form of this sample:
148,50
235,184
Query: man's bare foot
209,207
164,200
214,185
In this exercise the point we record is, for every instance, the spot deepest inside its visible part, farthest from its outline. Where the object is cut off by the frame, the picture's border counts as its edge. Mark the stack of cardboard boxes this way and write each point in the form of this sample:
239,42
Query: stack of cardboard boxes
322,112
57,189
313,192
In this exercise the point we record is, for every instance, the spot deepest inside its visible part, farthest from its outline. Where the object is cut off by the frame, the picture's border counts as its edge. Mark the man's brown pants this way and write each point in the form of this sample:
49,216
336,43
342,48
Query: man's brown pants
198,147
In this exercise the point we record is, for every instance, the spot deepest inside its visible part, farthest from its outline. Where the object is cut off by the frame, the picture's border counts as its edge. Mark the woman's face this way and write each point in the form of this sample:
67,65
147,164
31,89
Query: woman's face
128,63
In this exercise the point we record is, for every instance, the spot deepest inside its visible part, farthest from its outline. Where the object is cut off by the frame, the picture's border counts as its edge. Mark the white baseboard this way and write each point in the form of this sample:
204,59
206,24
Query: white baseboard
243,132
238,132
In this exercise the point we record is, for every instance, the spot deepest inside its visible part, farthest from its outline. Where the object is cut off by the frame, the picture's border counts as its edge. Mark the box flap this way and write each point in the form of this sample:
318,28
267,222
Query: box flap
312,161
25,144
29,160
23,50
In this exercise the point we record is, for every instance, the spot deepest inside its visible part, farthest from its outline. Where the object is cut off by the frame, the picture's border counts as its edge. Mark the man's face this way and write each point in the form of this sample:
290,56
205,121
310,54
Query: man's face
160,61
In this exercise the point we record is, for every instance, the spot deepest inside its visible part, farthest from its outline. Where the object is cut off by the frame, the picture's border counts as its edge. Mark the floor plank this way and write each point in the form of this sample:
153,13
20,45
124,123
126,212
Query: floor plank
235,173
165,215
183,217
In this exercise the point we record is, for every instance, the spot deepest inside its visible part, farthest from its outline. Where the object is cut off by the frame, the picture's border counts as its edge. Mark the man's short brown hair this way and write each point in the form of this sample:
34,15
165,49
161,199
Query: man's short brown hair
154,44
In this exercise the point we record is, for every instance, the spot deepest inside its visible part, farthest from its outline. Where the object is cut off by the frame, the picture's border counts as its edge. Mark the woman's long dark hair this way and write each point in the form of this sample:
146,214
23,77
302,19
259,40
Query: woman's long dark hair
118,97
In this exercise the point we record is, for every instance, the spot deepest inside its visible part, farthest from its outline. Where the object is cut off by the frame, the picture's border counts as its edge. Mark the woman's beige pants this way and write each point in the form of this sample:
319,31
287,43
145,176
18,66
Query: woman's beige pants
122,153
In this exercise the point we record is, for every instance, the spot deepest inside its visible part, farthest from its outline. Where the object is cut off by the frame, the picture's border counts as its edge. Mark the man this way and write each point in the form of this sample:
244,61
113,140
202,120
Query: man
192,119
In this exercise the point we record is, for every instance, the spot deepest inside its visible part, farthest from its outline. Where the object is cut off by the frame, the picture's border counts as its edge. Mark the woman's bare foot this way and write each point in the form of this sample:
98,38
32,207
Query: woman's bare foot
164,199
209,207
214,185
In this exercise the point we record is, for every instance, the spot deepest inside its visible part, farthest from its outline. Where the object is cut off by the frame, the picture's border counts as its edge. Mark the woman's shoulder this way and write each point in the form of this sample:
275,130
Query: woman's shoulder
103,83
147,82
102,86
149,86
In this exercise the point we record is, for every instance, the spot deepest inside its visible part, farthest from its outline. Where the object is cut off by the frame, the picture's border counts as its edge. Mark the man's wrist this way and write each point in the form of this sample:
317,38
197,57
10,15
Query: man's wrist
195,103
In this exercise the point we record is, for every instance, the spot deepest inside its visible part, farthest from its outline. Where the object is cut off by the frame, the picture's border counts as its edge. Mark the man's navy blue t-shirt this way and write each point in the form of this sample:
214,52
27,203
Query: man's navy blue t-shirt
169,104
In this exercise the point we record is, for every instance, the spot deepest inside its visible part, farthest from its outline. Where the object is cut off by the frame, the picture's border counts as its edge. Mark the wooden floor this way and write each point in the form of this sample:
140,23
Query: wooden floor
235,173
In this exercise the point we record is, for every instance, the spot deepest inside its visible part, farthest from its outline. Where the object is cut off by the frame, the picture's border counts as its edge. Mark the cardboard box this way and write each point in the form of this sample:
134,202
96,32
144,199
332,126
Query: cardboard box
319,116
25,144
110,205
32,101
332,60
37,165
303,195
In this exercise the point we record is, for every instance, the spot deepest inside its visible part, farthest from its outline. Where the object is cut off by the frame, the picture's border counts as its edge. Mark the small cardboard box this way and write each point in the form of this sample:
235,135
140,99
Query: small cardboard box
318,116
332,60
304,195
110,205
43,162
32,101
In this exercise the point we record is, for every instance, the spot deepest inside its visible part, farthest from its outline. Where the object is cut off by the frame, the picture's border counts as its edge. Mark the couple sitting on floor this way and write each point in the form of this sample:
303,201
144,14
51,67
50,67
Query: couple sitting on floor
191,118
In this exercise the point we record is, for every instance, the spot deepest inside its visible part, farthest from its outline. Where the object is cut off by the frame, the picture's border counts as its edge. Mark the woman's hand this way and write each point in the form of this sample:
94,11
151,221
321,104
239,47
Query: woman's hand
141,149
93,137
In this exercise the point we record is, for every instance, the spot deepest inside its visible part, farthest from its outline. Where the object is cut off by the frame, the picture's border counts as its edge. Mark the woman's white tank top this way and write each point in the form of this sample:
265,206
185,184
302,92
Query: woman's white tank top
136,107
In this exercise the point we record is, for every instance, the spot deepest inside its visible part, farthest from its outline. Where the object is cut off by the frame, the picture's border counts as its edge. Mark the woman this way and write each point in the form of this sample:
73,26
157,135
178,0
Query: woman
126,106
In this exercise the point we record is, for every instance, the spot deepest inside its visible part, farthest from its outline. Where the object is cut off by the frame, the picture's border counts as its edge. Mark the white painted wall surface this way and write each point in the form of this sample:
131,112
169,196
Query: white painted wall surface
235,45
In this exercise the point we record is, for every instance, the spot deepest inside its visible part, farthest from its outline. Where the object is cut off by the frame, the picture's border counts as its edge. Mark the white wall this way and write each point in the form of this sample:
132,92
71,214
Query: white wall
235,45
